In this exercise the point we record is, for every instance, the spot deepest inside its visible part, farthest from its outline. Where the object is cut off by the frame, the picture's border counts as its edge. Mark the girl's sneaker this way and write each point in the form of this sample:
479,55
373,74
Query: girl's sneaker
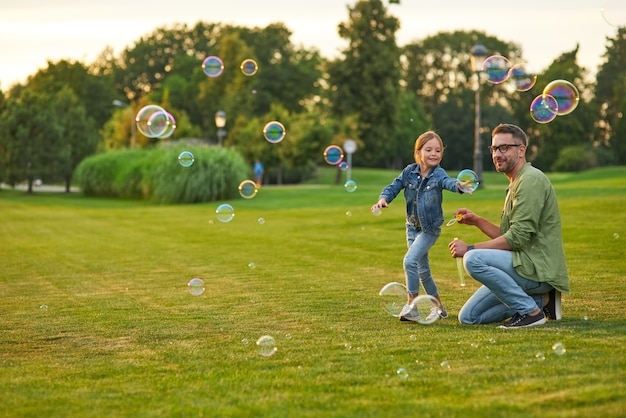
409,313
436,313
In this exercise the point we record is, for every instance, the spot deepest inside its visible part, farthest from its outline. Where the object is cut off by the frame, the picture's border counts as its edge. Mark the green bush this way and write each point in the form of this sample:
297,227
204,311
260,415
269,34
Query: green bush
155,174
575,158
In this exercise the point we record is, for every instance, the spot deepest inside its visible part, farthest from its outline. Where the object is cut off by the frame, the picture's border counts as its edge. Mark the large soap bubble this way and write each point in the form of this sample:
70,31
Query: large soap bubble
393,298
469,181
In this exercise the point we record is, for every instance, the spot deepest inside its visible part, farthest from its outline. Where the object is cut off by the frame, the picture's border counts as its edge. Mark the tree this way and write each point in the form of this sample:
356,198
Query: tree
29,134
547,140
366,81
438,70
440,65
610,95
45,135
94,92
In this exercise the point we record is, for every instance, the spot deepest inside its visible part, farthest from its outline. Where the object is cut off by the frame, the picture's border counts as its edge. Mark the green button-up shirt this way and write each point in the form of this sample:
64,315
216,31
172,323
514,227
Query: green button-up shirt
531,223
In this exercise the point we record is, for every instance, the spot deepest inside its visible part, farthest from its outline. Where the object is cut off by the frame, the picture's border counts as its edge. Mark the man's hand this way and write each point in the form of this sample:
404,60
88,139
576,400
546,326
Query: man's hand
457,248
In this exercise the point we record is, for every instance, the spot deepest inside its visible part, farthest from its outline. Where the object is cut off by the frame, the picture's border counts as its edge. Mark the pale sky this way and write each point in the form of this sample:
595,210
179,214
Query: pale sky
35,31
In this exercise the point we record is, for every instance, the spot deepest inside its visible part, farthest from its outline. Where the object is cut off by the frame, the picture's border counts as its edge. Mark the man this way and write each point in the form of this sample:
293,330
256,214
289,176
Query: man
522,266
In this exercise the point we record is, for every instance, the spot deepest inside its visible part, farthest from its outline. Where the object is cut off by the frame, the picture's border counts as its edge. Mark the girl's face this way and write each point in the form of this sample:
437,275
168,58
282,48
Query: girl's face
431,153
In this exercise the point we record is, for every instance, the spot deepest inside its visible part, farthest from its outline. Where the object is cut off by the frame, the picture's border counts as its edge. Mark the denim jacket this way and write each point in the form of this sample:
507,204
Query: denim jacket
423,196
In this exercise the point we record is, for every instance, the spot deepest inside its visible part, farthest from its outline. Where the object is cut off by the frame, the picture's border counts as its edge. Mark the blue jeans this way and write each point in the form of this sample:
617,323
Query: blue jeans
416,264
504,292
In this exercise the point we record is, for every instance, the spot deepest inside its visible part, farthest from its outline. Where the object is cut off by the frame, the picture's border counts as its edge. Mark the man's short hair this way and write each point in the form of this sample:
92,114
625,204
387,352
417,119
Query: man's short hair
514,130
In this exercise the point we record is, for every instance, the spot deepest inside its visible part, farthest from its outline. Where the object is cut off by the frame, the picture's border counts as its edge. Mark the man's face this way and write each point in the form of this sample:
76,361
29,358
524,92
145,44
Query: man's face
506,152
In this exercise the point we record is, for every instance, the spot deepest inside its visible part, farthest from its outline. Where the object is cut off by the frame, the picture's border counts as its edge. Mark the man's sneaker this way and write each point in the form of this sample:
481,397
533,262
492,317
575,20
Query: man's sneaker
553,308
521,321
409,313
436,313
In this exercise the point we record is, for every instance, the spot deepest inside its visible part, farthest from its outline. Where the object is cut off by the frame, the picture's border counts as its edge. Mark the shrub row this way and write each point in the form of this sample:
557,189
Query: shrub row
155,174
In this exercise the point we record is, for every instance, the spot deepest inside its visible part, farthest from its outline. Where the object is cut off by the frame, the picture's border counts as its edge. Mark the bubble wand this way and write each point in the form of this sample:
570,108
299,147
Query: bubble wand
459,267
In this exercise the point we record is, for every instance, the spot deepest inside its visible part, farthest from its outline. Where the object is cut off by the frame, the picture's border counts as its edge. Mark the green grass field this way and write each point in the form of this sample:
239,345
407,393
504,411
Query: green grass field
97,320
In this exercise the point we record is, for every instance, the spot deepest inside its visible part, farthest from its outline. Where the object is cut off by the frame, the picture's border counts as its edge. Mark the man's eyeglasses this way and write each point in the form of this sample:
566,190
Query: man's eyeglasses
502,148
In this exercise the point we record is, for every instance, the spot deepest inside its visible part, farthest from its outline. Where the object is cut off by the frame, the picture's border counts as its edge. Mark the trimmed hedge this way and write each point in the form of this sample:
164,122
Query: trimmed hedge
155,174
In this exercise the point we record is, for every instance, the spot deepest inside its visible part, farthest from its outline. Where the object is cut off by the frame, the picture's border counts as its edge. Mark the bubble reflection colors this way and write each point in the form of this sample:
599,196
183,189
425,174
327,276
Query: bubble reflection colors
350,186
469,180
225,213
249,67
212,66
496,67
274,132
565,94
522,79
544,108
186,159
248,189
196,286
152,121
267,346
333,154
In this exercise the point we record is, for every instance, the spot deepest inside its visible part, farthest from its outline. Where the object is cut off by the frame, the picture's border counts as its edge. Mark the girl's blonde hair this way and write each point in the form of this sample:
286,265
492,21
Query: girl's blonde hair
423,139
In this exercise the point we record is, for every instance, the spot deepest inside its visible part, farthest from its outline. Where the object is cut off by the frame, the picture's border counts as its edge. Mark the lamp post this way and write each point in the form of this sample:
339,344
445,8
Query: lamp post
479,54
133,125
349,146
220,122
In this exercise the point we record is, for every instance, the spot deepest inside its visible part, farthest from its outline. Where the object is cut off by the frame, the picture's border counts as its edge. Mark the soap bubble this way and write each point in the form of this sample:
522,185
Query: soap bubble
261,221
350,186
522,79
565,94
267,346
212,66
540,356
249,67
402,373
186,159
425,304
152,121
469,180
558,348
196,286
497,69
225,213
394,297
613,13
248,189
544,108
343,166
274,132
376,211
333,154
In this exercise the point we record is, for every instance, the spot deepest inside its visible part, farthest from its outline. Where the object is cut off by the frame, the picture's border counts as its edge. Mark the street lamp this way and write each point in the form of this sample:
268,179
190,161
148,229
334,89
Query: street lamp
479,54
133,125
220,122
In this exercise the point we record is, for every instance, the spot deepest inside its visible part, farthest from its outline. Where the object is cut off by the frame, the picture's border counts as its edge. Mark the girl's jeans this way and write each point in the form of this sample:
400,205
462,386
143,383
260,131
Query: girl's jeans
416,265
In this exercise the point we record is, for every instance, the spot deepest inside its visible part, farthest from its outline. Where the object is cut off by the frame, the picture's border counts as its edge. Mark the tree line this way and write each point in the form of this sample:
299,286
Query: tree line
377,93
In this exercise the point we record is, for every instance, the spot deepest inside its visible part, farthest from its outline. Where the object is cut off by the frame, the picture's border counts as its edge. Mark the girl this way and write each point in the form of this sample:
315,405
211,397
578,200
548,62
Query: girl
423,182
